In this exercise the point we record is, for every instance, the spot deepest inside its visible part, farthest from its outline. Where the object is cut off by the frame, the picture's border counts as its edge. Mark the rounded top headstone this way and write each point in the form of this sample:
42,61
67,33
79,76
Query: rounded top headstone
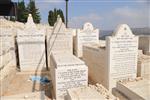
88,26
123,29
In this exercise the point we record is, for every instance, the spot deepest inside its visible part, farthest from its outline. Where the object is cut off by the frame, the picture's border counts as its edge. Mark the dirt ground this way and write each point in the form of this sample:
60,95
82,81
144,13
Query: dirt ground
22,84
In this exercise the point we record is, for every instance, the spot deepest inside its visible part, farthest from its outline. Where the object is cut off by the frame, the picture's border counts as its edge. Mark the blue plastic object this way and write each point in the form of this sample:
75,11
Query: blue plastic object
41,79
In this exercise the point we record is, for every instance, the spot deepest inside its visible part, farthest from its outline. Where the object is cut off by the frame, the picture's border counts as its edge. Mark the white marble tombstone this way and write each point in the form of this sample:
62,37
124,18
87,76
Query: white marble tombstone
122,52
7,52
67,71
85,36
59,39
31,46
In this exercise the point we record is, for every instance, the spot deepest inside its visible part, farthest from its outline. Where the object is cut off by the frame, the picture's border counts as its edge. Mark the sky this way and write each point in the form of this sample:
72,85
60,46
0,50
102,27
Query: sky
103,14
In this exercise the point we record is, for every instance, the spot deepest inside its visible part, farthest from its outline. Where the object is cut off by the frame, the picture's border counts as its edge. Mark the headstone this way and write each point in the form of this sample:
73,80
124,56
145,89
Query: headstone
59,39
7,50
67,71
122,52
31,46
85,36
115,61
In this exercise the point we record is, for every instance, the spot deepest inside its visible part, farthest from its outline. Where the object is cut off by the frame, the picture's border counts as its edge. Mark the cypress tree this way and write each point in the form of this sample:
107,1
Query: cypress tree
52,17
34,11
22,12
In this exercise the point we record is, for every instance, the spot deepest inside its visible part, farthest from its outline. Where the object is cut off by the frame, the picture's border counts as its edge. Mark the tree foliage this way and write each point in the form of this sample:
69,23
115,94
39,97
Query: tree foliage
23,11
52,17
34,11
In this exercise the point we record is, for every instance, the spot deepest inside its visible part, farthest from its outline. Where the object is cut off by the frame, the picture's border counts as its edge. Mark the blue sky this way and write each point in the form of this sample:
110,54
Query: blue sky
103,14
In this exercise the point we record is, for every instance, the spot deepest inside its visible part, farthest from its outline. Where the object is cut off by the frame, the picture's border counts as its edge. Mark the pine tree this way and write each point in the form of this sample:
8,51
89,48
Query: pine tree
34,11
52,17
22,13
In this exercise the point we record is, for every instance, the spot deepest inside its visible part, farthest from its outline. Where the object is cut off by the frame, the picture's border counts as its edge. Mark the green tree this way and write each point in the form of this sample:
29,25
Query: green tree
34,11
22,12
60,12
52,17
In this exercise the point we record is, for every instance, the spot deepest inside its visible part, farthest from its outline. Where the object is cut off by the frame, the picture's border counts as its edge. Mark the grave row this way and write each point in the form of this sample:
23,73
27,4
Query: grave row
116,60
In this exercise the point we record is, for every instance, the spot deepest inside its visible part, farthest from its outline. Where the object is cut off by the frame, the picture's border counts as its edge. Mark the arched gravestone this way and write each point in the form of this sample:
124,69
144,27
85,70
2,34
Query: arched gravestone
122,51
31,46
85,36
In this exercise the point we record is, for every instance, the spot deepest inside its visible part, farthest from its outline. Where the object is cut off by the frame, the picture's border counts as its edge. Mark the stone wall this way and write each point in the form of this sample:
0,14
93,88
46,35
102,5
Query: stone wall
7,57
7,51
95,59
144,44
143,67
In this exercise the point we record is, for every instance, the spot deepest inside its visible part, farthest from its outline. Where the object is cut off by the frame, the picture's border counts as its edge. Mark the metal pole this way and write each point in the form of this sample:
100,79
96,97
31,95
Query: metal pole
67,13
15,12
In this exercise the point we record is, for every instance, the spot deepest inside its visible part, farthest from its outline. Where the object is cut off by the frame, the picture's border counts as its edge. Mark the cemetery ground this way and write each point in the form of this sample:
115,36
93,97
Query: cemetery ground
21,83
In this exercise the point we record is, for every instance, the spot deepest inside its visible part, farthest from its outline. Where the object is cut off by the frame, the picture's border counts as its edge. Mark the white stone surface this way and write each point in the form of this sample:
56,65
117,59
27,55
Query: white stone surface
143,67
91,92
31,46
59,39
7,51
10,24
144,44
122,53
102,43
116,61
67,71
86,35
135,90
95,58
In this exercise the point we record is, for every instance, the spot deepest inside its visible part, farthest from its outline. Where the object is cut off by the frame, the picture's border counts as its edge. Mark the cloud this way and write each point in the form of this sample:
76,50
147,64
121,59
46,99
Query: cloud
142,1
134,17
127,12
78,21
137,17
